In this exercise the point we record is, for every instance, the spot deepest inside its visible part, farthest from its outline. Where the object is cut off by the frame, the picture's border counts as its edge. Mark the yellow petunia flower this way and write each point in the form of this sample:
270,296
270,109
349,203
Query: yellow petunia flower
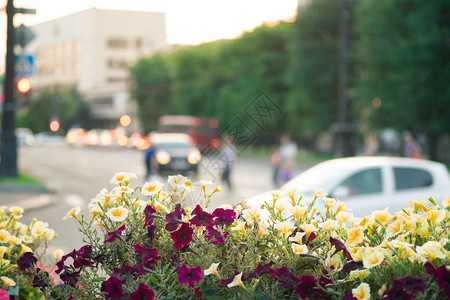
285,227
236,281
355,236
212,270
7,282
373,260
298,211
299,249
4,236
362,292
431,250
360,274
117,214
72,213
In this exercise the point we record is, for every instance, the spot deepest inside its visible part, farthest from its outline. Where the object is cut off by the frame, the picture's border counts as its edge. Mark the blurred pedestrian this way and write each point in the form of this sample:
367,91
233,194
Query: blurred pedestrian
229,159
275,162
150,162
288,154
412,147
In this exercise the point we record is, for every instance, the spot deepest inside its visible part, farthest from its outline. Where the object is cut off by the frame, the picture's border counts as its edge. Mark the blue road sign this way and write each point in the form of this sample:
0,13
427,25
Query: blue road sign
24,64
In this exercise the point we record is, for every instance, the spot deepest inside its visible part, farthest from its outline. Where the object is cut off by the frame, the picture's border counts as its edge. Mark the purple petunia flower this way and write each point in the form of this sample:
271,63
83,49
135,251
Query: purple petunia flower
412,284
173,219
28,260
218,238
112,236
60,263
306,287
151,229
349,297
147,252
183,236
443,279
225,282
286,278
224,216
261,270
398,291
338,245
70,278
149,215
113,288
143,292
189,275
201,217
41,279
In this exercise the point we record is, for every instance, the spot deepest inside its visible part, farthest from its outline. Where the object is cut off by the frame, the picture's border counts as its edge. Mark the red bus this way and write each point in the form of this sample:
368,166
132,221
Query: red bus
203,130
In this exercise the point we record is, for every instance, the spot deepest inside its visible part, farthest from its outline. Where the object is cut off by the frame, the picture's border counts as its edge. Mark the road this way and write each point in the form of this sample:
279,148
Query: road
78,174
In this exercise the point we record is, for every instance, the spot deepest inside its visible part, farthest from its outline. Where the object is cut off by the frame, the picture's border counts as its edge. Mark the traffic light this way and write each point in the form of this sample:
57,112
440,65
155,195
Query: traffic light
24,85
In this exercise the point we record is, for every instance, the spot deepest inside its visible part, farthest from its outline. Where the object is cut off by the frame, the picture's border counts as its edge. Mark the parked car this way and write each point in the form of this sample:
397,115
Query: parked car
175,153
48,138
366,184
24,136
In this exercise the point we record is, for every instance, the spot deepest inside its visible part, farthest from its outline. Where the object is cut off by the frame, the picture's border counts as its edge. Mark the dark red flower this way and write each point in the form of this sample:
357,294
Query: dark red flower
284,276
85,251
412,284
443,279
350,266
201,217
142,293
183,236
173,219
70,278
349,297
41,279
126,270
112,236
306,287
147,252
28,260
224,216
398,292
218,238
60,263
430,268
261,270
149,215
339,246
151,229
113,288
189,275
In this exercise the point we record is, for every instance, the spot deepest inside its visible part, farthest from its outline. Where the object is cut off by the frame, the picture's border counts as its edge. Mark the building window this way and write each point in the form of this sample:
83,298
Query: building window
117,63
117,43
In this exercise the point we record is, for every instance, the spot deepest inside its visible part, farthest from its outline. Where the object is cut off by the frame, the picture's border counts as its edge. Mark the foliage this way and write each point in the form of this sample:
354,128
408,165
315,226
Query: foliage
65,105
151,88
405,62
313,73
158,247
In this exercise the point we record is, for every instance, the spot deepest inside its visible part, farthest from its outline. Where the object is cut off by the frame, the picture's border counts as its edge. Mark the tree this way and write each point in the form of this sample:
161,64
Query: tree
313,76
151,88
404,60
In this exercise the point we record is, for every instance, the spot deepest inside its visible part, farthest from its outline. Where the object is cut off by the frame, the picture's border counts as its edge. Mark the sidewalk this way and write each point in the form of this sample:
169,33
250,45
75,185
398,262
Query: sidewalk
29,197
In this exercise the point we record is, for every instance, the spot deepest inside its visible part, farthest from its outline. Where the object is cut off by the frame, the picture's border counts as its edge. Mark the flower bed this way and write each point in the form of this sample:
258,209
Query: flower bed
143,243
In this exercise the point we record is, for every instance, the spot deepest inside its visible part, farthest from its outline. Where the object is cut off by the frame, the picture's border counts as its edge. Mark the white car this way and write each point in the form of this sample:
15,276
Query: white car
366,184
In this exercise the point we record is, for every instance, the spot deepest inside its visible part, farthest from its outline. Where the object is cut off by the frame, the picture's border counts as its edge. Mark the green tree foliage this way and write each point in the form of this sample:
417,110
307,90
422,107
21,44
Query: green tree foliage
65,105
313,75
403,56
151,87
215,79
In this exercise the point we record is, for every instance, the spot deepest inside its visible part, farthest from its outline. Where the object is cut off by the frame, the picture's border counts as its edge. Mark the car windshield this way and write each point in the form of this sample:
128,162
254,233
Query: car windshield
173,145
315,177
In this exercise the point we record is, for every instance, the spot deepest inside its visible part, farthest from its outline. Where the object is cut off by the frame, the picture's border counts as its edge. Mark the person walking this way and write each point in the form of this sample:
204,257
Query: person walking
288,153
275,162
412,147
229,159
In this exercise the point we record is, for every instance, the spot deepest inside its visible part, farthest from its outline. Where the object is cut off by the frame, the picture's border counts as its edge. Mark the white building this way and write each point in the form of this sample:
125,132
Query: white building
91,51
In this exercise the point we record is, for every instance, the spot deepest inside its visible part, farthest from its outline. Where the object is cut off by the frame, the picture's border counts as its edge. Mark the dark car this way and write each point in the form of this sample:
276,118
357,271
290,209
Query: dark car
175,153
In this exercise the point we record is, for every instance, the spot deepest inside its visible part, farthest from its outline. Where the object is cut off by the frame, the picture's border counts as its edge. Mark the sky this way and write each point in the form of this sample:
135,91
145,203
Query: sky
187,21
